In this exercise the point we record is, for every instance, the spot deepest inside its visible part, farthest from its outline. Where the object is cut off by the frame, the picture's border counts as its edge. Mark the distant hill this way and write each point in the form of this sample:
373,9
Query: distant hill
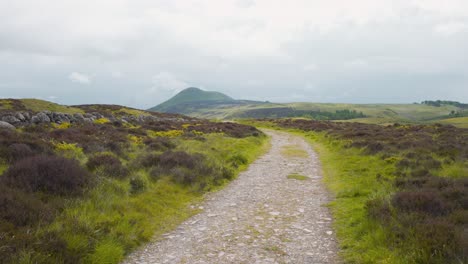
194,100
198,103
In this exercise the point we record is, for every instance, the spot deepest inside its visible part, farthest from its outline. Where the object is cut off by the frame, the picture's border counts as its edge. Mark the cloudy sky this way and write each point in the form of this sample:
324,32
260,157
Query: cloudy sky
141,52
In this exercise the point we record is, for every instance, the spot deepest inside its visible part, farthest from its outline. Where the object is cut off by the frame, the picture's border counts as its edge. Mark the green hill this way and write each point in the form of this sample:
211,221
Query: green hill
214,105
192,98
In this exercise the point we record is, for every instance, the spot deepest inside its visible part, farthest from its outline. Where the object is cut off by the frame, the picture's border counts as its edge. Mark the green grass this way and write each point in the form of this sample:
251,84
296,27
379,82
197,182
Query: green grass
453,170
37,105
3,168
298,177
351,177
134,112
112,222
294,151
376,113
191,96
457,121
219,148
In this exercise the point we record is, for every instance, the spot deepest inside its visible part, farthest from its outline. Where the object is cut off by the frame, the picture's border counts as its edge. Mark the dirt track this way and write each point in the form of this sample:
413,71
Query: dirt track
261,217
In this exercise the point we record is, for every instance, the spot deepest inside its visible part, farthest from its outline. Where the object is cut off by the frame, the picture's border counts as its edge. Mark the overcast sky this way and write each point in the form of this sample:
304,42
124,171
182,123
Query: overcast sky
140,53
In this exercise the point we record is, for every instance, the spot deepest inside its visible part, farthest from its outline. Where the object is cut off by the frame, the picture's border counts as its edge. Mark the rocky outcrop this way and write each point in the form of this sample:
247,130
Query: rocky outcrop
5,125
20,119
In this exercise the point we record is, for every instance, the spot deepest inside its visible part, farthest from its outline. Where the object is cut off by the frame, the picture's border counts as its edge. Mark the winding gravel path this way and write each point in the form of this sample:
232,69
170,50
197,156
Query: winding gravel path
261,217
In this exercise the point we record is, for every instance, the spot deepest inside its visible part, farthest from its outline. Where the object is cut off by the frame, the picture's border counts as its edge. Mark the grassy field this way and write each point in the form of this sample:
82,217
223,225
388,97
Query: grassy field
375,113
36,105
458,121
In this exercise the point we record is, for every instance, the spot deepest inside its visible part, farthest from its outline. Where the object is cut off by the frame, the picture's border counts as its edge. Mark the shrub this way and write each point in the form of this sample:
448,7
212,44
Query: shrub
421,201
99,160
147,161
69,150
108,164
137,185
18,151
442,240
159,143
50,174
170,159
21,209
379,209
101,121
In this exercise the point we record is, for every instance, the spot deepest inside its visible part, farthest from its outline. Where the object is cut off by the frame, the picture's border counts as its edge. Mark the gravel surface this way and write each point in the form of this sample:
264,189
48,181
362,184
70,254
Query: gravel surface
261,217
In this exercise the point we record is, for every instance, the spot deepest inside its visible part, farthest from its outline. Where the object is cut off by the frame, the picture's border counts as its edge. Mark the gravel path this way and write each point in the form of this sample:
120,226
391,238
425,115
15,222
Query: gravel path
261,217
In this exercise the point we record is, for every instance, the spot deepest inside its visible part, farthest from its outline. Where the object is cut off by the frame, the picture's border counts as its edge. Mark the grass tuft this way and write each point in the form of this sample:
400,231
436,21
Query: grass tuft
298,177
294,151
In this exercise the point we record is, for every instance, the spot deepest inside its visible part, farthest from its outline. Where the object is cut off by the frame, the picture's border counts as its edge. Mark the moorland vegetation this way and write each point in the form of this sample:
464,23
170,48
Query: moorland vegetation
401,191
91,192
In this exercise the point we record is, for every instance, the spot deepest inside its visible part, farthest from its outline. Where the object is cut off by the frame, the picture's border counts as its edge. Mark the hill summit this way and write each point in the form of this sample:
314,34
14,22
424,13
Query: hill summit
191,99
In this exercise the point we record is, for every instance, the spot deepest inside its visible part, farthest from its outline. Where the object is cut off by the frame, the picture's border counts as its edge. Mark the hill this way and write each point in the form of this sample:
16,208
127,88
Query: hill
214,105
199,103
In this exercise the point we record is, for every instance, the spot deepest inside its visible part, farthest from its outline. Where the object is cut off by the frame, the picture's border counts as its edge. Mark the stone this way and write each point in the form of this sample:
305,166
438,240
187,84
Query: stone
10,119
20,117
40,118
5,125
78,117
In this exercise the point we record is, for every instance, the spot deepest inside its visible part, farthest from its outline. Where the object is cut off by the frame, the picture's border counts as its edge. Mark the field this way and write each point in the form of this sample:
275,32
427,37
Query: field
400,191
93,191
374,113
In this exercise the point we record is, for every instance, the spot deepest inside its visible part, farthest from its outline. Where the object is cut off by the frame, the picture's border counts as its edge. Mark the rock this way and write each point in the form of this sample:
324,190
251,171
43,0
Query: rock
10,119
78,117
20,117
40,118
26,115
329,233
5,125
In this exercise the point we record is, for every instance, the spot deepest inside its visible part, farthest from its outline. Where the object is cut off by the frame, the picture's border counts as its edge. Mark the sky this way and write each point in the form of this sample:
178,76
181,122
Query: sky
139,53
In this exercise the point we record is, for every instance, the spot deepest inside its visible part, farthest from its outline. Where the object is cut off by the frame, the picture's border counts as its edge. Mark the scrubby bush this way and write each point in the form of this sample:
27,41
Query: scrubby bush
18,151
50,174
108,164
421,201
170,159
137,184
21,209
159,143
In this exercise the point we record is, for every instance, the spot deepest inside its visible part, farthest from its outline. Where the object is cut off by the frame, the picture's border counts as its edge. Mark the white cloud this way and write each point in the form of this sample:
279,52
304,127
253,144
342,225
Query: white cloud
310,67
451,28
79,78
166,81
231,45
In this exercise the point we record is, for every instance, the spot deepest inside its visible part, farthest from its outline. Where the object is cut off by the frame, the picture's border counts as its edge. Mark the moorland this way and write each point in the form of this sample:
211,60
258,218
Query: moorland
91,183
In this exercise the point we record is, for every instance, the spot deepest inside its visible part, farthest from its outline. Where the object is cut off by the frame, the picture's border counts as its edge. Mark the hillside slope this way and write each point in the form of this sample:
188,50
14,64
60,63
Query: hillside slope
199,103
